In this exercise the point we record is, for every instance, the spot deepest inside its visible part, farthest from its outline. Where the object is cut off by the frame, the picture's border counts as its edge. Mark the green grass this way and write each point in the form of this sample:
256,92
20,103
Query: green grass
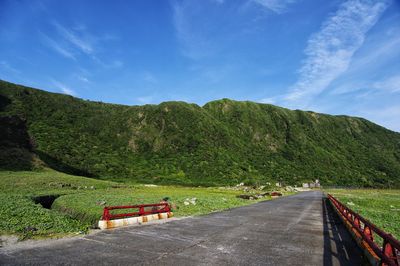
381,207
85,205
78,207
48,182
19,213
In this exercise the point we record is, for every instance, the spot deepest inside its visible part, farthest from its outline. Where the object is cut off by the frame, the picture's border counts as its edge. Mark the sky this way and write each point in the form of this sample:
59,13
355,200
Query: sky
335,57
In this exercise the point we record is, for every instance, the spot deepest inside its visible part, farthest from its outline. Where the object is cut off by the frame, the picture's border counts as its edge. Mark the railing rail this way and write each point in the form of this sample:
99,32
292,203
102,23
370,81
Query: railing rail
141,210
389,252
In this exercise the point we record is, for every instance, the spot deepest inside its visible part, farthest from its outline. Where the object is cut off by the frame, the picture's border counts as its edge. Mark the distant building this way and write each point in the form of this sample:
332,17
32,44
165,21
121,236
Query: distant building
315,184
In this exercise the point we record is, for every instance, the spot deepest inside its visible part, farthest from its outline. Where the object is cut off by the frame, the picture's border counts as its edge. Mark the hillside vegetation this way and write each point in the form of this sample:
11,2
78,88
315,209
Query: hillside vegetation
223,142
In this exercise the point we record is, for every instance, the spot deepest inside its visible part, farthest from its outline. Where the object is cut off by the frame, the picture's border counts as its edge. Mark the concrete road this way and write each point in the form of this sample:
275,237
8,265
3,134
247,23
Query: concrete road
294,230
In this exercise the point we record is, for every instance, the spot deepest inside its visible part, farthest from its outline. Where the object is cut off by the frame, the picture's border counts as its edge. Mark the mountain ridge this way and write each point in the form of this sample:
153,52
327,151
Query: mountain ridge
222,142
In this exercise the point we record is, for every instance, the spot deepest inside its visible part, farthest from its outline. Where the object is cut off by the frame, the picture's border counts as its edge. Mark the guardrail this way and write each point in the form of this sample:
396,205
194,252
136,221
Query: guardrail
142,210
389,253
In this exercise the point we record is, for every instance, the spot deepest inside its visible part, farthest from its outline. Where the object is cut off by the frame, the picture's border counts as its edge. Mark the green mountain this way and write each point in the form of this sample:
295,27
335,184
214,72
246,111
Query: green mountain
223,142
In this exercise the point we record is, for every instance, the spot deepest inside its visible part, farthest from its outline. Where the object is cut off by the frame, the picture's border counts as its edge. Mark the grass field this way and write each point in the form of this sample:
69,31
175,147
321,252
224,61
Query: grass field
79,201
381,207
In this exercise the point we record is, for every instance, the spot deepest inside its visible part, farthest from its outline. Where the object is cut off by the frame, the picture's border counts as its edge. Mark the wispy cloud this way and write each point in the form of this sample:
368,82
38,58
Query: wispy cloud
145,99
80,42
217,73
63,88
83,79
112,64
330,50
385,49
6,66
269,100
195,43
276,6
149,77
390,84
71,42
388,116
57,47
377,55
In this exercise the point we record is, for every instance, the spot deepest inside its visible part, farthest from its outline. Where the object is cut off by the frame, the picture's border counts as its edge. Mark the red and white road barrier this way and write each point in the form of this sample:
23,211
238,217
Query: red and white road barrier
145,213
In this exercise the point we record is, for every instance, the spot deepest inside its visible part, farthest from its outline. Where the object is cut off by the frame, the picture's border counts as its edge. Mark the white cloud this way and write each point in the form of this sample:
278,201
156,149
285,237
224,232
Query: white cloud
83,79
72,41
388,116
195,39
269,100
6,66
63,88
385,49
377,55
391,84
214,73
145,99
111,64
57,47
330,50
82,43
149,77
68,91
277,6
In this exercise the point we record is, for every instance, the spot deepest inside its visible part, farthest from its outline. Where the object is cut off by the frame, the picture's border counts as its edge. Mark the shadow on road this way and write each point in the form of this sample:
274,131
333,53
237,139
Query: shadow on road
339,247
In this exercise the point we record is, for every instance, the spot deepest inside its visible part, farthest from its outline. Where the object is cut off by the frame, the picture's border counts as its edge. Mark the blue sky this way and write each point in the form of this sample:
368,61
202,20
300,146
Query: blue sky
336,57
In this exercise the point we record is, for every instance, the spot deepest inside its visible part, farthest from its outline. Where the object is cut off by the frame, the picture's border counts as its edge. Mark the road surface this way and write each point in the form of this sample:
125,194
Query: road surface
294,230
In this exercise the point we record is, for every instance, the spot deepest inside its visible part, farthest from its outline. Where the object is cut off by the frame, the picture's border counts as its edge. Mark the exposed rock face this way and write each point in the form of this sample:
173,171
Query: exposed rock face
14,133
16,146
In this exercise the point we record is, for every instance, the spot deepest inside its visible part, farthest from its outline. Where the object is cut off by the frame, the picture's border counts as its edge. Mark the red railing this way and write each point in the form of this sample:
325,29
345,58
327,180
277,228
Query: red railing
389,253
143,209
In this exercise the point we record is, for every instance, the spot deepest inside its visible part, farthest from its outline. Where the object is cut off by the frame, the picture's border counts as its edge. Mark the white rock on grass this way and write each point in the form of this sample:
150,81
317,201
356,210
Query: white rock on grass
190,201
193,201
